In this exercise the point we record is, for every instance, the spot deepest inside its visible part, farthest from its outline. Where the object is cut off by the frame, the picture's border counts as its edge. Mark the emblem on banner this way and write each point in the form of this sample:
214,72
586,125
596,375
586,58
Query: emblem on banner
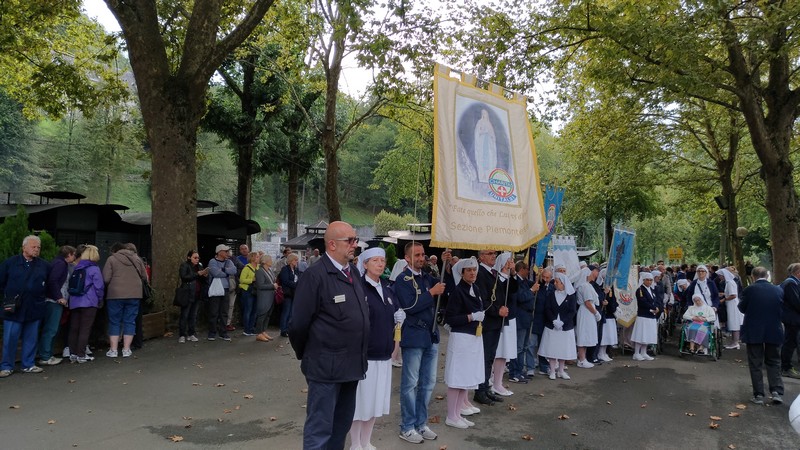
501,186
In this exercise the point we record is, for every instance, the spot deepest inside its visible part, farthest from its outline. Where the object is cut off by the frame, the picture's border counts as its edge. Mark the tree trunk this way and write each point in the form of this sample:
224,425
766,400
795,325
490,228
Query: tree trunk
244,178
330,149
172,133
291,202
608,230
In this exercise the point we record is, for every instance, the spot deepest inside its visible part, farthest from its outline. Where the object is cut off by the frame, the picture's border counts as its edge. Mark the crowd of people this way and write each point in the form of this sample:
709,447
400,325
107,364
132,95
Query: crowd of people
349,318
42,300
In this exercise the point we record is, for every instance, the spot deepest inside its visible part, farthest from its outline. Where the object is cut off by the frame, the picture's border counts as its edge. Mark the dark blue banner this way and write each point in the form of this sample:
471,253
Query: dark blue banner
553,197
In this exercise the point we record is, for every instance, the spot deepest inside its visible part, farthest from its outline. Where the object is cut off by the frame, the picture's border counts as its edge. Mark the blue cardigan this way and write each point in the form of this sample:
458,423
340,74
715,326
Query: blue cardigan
28,279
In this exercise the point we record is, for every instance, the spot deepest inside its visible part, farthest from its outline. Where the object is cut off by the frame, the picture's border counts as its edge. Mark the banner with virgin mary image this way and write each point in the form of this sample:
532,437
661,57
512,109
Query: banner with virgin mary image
620,257
486,180
553,197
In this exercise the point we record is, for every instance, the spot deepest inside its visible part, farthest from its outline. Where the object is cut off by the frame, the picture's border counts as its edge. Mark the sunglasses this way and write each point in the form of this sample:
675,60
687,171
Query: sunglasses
349,240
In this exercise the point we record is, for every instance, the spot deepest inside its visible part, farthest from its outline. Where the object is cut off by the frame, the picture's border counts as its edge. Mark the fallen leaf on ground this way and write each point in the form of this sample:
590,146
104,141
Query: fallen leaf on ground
304,390
168,334
527,437
733,414
731,446
237,407
738,360
175,438
608,402
197,384
51,421
541,395
434,419
219,420
227,411
219,385
715,418
574,433
563,417
512,408
235,391
187,417
303,406
741,406
71,381
690,414
713,425
249,396
444,447
644,405
637,378
13,407
272,418
439,397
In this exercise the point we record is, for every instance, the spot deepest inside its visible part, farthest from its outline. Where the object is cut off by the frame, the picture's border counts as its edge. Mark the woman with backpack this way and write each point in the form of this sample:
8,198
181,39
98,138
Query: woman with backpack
86,290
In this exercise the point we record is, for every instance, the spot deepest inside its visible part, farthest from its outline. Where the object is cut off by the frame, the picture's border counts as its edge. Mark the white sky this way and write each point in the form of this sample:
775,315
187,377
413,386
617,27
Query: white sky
353,80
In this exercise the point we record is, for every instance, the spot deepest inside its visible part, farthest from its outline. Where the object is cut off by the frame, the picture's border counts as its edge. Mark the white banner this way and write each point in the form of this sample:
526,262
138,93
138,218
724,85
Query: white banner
626,299
565,253
486,181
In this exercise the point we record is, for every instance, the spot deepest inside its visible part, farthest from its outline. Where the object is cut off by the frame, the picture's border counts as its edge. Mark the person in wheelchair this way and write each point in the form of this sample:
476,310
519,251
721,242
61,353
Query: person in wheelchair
699,324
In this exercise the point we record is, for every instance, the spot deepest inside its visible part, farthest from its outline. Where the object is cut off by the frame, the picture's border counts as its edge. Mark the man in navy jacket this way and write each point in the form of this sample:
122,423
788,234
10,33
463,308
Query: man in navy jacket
416,291
791,320
329,332
23,276
762,332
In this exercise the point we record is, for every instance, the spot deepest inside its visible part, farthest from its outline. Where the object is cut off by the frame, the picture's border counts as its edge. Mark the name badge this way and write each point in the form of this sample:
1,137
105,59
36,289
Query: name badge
338,298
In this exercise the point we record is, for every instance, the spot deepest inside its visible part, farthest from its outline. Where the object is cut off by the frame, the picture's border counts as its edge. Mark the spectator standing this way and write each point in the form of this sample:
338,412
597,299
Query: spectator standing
192,276
266,285
55,302
83,307
221,268
247,294
763,334
791,320
123,274
23,275
288,277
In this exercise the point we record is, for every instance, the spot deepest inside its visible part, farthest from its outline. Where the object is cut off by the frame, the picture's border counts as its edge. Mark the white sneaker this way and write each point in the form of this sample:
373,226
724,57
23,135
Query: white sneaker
126,353
585,364
637,357
411,436
647,357
65,353
505,393
564,376
456,424
605,358
182,340
88,350
427,433
112,353
552,375
530,373
192,338
470,411
468,422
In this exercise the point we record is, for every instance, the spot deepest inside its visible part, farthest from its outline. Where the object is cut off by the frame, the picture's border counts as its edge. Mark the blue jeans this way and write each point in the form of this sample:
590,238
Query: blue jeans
286,314
52,318
122,316
12,331
248,302
416,385
518,366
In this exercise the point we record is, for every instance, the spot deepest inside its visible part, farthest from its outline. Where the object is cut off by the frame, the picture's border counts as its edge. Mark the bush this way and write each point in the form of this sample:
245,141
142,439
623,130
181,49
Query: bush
385,221
14,229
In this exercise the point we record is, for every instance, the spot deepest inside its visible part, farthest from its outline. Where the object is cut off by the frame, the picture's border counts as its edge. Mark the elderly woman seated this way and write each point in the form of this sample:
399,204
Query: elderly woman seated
699,319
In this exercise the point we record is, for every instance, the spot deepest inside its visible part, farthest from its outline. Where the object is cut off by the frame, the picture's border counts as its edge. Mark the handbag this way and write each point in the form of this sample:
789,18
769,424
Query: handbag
216,289
182,296
279,295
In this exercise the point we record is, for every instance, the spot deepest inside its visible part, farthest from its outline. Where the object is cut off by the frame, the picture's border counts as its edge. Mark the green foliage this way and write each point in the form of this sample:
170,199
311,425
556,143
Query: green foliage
20,169
13,231
391,256
216,172
386,221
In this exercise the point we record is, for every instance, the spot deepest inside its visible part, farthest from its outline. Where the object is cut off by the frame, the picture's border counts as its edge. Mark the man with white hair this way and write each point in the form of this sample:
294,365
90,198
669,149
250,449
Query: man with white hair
23,283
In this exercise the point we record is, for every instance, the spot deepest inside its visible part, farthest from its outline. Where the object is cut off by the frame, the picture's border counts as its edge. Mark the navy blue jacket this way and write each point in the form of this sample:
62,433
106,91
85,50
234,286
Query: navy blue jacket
488,284
460,306
538,312
645,301
329,329
288,284
28,279
761,304
381,320
567,311
712,288
59,269
791,301
418,329
525,301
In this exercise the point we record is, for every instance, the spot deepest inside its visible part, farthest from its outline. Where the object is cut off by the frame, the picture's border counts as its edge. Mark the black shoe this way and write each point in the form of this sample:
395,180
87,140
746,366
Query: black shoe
518,379
597,362
494,397
482,398
284,334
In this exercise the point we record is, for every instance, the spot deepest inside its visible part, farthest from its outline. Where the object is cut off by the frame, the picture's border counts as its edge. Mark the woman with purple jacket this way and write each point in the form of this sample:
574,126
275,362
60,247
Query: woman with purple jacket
83,307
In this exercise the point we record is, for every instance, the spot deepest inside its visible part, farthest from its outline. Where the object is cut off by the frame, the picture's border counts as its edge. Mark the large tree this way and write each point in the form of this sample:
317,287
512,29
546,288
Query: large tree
174,49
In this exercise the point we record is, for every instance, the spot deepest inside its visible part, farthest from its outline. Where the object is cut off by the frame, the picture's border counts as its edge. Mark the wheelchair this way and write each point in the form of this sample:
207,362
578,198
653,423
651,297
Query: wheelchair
714,350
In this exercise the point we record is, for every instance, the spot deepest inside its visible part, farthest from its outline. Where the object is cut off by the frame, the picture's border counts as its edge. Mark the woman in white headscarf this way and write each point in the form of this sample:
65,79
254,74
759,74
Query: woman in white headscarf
374,391
731,299
558,339
507,347
645,329
705,288
463,368
588,316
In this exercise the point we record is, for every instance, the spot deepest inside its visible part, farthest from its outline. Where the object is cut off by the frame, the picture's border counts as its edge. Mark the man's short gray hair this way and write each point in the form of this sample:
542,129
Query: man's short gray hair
32,237
760,273
794,269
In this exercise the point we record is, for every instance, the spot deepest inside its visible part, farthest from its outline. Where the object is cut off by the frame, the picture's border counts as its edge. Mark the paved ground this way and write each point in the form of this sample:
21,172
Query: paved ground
244,394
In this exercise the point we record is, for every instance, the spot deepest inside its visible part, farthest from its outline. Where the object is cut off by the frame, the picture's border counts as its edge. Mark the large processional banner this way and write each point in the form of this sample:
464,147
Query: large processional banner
553,197
626,298
486,180
620,257
565,253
